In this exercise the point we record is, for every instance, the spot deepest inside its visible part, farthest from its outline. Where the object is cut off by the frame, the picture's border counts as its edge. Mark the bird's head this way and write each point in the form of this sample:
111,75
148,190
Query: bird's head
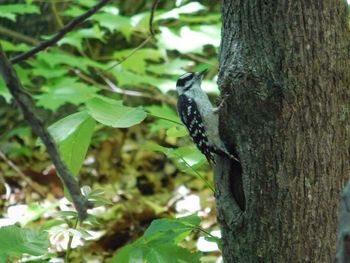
189,80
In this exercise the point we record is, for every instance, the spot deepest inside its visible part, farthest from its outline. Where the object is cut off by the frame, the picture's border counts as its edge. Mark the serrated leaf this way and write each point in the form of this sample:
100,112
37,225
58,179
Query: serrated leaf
73,135
8,46
113,113
115,22
75,38
15,241
10,11
54,57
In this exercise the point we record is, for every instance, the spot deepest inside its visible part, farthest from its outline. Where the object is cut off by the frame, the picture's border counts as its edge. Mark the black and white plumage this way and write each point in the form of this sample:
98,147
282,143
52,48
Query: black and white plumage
190,116
199,116
202,121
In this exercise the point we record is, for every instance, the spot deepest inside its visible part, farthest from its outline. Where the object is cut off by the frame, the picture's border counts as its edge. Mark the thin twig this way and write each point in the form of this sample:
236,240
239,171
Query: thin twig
132,52
197,173
151,18
163,118
36,187
55,14
26,104
151,30
201,60
60,34
19,36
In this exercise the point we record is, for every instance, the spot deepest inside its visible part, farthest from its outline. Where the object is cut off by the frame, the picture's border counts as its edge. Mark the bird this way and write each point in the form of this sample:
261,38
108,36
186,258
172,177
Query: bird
202,122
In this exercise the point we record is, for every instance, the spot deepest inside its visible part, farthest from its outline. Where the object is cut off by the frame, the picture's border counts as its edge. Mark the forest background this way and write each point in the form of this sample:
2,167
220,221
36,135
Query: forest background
106,91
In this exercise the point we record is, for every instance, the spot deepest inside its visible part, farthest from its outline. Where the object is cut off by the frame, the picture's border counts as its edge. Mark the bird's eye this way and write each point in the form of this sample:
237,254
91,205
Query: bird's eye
184,79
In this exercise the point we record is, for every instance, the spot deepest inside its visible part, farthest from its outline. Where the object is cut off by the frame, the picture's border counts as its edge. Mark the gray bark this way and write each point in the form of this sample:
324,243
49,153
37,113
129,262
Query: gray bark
286,67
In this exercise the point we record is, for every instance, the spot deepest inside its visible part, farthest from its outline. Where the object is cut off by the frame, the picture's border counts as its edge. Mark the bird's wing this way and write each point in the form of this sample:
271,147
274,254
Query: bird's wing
190,116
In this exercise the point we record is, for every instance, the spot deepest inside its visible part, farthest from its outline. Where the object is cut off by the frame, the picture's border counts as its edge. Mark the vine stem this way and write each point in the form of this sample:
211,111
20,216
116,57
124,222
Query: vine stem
69,245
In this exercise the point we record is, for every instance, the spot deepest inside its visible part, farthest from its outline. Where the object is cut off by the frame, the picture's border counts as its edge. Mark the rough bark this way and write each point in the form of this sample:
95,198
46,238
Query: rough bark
286,66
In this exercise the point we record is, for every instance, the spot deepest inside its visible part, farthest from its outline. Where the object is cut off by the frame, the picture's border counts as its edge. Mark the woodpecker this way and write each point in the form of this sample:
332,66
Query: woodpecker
202,122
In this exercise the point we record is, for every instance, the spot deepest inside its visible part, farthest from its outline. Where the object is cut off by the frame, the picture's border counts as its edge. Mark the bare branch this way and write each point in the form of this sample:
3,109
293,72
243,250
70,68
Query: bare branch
27,107
60,34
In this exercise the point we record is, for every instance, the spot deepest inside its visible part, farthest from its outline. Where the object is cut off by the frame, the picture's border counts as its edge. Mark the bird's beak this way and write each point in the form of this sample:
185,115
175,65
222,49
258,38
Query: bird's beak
201,73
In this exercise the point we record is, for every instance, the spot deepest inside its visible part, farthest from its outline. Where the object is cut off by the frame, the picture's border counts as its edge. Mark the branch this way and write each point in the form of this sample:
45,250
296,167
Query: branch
153,9
60,34
36,187
27,107
19,36
343,235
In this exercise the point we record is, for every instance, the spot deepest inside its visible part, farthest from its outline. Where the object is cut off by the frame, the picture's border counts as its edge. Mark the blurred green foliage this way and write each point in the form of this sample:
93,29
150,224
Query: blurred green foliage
107,74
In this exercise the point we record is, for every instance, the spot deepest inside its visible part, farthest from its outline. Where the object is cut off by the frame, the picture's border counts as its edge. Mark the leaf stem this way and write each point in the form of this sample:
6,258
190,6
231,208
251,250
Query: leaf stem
197,173
69,245
163,118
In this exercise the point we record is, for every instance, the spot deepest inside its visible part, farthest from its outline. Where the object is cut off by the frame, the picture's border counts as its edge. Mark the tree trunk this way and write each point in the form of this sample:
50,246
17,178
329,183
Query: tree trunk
286,68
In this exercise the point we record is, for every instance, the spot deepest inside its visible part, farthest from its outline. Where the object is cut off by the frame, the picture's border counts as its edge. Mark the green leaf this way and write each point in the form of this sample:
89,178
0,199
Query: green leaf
75,38
73,10
15,241
158,244
115,22
138,62
214,239
171,230
169,253
126,77
112,112
187,158
164,112
167,119
12,10
177,131
73,135
67,214
44,71
4,92
55,57
128,254
8,46
204,19
65,90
